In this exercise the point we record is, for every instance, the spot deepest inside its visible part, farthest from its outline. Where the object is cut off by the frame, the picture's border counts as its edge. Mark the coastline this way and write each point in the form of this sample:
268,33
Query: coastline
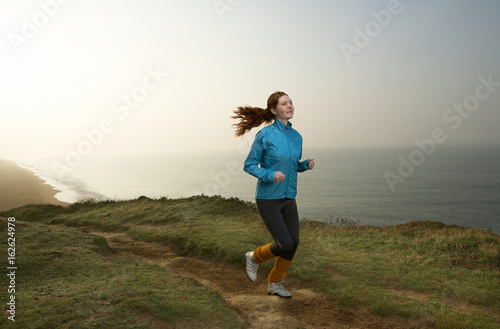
459,184
19,186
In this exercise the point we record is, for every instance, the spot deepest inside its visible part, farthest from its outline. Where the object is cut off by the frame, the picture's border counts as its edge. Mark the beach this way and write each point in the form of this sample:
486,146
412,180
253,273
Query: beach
19,186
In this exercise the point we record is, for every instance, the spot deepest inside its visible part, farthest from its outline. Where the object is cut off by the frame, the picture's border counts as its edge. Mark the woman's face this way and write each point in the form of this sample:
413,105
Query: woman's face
284,109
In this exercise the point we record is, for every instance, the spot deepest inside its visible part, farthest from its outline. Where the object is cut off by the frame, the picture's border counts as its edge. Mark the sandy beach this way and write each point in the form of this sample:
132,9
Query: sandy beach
19,186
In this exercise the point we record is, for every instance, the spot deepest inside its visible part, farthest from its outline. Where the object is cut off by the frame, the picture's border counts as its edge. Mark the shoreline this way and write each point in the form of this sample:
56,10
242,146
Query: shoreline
19,186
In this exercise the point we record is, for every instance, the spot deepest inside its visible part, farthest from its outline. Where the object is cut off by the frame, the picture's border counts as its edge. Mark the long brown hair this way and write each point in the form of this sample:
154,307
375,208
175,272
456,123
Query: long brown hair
251,117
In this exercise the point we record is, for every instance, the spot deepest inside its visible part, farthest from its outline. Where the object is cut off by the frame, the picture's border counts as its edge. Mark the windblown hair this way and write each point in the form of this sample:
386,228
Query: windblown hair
251,117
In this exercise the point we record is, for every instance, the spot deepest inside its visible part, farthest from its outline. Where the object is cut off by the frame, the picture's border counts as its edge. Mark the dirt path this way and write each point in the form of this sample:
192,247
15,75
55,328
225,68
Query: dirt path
306,309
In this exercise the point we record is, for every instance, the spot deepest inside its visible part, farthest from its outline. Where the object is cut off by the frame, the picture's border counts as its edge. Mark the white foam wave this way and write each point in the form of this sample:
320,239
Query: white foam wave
70,188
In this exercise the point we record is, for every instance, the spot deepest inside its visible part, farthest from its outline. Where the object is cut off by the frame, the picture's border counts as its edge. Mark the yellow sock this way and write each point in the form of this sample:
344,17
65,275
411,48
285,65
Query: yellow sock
279,271
263,253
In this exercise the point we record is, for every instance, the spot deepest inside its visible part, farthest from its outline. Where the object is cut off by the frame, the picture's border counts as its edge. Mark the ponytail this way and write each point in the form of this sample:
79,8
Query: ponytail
251,117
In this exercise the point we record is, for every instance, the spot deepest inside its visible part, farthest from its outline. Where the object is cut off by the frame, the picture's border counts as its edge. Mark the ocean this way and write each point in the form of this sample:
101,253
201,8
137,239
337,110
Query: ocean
379,186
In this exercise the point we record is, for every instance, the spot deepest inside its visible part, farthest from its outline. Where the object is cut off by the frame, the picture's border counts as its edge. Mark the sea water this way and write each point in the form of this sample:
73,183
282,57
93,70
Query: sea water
368,186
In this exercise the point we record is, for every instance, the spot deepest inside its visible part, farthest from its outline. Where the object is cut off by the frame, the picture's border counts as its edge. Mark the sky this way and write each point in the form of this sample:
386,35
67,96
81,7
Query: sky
133,77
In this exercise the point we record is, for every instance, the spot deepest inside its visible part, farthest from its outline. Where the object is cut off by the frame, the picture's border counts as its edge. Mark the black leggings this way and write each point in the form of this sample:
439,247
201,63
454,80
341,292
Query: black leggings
282,220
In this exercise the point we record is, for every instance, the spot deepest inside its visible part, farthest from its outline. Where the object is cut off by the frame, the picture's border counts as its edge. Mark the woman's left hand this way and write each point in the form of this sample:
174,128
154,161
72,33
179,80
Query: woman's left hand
311,163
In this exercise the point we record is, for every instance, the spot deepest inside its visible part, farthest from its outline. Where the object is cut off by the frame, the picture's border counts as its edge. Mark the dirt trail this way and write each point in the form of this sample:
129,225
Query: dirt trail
306,309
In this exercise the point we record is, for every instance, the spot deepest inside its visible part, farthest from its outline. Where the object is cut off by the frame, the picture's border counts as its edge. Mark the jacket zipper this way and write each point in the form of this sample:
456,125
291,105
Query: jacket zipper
289,162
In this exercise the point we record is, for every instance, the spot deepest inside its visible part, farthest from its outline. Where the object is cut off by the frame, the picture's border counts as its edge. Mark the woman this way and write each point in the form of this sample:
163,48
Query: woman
275,160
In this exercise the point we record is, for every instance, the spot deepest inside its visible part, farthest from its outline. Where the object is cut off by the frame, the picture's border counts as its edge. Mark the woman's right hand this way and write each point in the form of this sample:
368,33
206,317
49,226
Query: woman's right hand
278,177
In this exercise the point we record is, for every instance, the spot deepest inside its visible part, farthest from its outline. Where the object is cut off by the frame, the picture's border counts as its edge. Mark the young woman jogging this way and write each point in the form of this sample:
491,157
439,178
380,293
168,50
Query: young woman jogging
274,159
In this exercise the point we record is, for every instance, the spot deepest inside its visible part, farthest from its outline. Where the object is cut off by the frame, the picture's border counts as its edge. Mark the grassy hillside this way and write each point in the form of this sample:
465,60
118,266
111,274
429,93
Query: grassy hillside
67,279
423,272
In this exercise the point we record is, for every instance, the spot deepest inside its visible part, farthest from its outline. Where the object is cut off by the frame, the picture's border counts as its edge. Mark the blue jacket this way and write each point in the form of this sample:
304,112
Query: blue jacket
276,148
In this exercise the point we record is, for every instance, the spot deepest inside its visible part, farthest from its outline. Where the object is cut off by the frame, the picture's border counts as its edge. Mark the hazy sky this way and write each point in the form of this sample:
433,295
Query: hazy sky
165,75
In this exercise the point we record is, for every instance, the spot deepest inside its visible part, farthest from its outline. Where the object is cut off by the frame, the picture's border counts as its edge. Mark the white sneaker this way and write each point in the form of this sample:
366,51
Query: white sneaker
252,266
278,289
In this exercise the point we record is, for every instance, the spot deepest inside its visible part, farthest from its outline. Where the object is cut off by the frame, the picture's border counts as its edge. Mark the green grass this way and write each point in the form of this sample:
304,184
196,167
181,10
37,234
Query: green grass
424,272
68,279
452,271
